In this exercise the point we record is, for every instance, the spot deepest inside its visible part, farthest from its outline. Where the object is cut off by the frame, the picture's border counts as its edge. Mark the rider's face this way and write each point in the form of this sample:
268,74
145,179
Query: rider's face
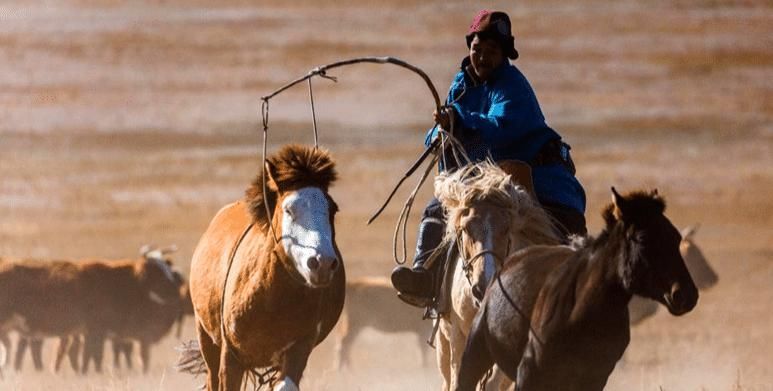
485,56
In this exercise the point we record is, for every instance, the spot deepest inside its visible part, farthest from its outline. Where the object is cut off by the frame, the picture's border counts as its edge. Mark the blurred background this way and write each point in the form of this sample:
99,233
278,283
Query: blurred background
131,122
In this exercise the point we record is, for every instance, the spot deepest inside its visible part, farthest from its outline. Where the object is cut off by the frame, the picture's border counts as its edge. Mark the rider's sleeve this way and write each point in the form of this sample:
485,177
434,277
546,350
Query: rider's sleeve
505,121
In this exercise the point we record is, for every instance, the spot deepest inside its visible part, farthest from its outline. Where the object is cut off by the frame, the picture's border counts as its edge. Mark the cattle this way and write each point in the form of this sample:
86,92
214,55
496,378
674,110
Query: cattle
371,302
64,298
41,298
149,303
164,315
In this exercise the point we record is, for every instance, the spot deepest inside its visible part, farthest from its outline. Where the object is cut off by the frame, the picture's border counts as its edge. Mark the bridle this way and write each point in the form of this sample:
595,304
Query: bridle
468,264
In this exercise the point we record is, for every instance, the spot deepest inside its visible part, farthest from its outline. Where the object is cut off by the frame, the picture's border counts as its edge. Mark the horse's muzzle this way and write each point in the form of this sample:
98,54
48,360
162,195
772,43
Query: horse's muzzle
321,270
681,300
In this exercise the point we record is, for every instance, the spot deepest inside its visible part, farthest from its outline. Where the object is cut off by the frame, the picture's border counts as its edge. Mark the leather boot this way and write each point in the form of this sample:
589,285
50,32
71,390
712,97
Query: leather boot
416,285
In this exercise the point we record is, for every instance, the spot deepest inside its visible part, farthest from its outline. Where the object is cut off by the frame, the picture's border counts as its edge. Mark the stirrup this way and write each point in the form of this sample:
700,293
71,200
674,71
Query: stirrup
416,301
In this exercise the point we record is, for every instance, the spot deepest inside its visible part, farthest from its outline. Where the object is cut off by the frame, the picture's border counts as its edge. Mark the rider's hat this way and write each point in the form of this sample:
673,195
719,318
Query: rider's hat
495,25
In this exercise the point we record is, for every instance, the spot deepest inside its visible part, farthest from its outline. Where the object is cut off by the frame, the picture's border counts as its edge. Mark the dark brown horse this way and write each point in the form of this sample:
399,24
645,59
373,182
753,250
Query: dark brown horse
266,290
557,316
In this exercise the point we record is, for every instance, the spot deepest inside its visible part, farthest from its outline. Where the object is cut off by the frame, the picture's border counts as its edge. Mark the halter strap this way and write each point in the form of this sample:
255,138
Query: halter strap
467,264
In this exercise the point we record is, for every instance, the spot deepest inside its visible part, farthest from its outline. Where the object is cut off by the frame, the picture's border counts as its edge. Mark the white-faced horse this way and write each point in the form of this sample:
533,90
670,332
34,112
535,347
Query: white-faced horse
267,280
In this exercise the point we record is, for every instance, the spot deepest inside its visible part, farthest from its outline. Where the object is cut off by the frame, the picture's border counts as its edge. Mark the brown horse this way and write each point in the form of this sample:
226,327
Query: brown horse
556,318
266,290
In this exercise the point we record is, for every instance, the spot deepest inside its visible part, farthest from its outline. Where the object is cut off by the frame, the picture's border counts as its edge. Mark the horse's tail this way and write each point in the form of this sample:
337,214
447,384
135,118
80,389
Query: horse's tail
190,360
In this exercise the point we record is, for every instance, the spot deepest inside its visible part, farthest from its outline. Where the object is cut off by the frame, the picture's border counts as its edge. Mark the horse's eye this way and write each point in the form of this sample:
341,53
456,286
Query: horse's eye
465,222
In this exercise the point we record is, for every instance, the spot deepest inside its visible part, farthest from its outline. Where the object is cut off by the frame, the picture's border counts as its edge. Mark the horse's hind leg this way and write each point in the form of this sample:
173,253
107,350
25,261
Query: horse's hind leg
444,359
211,354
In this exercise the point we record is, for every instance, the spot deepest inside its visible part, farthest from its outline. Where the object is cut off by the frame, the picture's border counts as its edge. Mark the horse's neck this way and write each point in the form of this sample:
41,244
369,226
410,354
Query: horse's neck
529,236
461,297
269,273
598,287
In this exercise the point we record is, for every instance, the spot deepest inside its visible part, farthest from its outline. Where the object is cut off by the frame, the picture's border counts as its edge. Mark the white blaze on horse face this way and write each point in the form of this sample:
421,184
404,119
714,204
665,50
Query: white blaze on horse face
489,262
307,236
480,233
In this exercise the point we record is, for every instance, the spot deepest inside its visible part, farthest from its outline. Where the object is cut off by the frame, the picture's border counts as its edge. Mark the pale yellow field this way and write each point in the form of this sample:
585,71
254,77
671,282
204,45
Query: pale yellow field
124,124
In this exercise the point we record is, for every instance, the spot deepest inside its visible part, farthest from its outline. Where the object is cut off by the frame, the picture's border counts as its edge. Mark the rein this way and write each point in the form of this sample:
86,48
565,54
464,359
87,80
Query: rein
467,264
268,376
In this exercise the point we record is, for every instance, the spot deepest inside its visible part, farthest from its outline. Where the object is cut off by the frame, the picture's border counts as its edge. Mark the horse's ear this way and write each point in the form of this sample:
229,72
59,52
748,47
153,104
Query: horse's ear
169,249
654,192
688,232
270,170
146,248
620,204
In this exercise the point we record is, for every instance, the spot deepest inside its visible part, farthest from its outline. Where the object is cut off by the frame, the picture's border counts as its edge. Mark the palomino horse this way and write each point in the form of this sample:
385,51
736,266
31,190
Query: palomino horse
266,290
556,318
489,216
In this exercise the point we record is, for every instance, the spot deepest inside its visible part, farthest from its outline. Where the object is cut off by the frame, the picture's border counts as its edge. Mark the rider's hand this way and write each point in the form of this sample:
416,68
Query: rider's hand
443,118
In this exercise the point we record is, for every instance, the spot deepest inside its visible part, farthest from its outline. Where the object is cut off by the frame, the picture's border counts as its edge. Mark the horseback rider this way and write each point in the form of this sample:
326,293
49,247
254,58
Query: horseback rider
495,115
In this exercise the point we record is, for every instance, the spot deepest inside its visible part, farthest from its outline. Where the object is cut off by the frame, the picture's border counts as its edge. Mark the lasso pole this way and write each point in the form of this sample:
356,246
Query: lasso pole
322,72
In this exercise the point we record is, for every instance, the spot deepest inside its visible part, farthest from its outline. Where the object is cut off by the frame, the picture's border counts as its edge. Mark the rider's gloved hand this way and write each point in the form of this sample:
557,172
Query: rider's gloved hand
443,118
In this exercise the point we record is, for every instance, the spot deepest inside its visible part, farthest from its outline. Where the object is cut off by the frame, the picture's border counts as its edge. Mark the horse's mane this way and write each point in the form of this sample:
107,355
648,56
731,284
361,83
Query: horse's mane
641,205
293,167
487,182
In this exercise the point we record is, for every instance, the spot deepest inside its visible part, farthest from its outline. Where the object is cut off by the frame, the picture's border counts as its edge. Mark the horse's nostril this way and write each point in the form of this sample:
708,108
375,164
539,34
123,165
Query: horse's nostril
333,264
677,296
312,263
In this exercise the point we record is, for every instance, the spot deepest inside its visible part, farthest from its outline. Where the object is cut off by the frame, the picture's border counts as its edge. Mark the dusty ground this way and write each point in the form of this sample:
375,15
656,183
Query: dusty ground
124,124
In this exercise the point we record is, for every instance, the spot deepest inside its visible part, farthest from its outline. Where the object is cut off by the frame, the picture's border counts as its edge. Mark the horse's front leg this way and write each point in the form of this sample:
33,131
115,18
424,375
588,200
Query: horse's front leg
231,372
458,341
476,360
443,354
295,359
211,354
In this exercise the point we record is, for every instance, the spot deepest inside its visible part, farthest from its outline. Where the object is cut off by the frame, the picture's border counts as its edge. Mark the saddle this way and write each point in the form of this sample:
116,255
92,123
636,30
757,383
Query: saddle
520,172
